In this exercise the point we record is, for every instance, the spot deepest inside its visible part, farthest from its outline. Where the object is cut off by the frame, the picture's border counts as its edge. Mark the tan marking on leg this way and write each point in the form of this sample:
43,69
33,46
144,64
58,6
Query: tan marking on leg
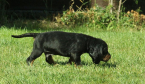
32,62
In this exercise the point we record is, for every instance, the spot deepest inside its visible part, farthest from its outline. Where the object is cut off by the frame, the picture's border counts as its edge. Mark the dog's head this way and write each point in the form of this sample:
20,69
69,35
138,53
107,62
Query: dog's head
99,52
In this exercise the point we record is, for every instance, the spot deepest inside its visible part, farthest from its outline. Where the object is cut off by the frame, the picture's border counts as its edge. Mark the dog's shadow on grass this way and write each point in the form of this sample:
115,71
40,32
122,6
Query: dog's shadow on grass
109,65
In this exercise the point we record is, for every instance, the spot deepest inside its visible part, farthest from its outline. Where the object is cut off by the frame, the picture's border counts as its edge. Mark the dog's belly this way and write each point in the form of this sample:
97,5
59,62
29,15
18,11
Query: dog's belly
57,53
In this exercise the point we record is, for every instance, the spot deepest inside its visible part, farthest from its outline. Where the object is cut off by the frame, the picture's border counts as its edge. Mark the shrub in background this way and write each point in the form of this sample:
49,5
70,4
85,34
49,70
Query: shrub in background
100,18
135,17
89,17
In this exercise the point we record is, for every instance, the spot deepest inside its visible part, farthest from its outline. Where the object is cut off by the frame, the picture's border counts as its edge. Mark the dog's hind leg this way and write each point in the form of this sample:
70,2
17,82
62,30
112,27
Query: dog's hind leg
35,54
49,59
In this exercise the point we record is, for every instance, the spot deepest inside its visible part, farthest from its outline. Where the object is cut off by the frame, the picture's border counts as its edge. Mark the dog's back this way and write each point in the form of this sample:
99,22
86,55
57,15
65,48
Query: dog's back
62,43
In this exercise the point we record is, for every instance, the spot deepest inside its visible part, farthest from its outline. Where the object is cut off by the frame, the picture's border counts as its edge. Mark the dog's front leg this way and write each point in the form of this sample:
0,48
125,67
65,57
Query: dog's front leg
76,58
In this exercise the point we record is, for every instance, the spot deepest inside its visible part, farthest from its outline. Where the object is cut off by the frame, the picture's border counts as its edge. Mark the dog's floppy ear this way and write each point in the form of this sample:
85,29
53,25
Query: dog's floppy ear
98,54
95,53
102,49
91,51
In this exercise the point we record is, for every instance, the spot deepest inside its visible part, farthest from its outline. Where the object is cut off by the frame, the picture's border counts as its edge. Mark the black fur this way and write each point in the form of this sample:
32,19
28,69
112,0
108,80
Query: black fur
71,45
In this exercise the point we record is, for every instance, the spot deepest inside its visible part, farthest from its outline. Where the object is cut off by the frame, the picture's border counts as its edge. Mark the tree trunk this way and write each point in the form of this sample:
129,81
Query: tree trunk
119,8
111,3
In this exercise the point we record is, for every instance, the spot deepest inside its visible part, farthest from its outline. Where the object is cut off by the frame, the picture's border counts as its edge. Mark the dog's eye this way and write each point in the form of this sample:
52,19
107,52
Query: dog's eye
105,50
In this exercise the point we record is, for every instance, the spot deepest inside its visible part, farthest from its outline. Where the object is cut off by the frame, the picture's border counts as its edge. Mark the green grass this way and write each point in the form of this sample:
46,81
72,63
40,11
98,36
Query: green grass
127,65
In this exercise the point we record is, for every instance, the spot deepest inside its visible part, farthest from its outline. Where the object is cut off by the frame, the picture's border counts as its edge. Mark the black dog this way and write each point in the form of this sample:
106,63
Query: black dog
67,44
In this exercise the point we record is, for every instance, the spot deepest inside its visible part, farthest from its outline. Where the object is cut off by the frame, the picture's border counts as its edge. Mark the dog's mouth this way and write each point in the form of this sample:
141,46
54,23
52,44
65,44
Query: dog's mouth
106,57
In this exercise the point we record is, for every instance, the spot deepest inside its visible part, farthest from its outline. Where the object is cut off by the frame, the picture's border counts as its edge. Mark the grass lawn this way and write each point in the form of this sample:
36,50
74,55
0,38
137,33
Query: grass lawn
127,65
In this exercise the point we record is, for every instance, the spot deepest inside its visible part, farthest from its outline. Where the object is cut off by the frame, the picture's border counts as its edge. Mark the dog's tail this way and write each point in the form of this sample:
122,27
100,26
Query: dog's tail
26,35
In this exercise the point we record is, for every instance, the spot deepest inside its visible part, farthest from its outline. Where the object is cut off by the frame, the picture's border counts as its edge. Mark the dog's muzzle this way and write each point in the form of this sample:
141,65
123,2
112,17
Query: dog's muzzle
106,57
